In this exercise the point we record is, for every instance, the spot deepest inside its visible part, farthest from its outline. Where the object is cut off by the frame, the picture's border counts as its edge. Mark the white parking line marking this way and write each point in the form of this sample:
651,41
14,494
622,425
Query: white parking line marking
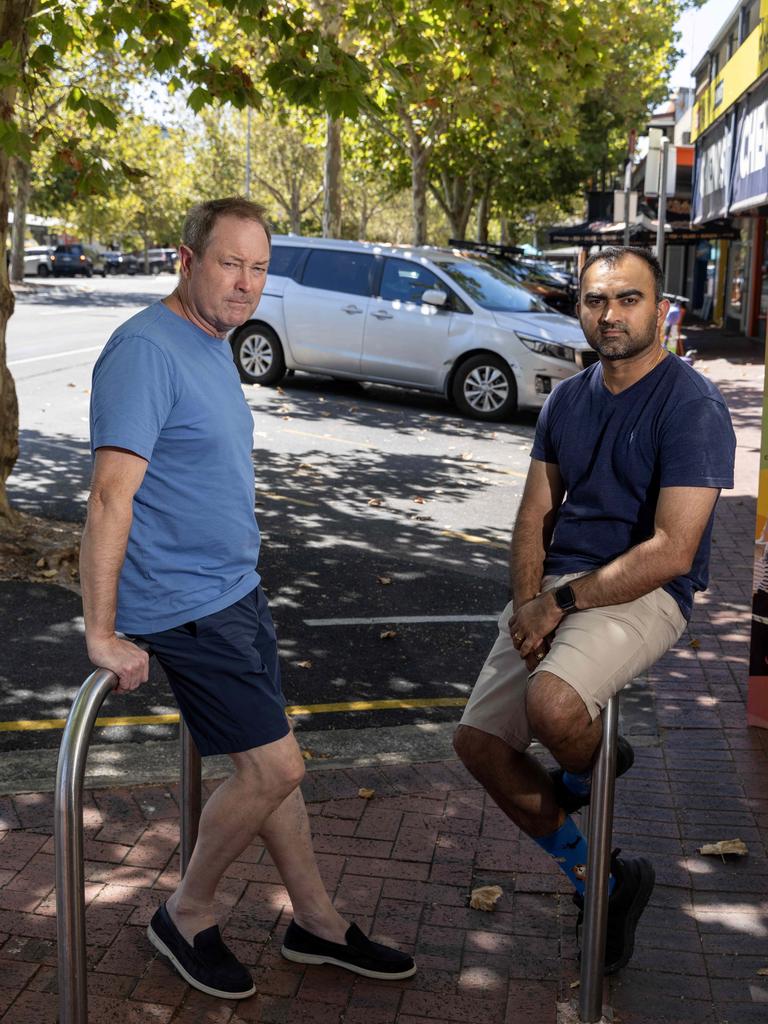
401,620
55,355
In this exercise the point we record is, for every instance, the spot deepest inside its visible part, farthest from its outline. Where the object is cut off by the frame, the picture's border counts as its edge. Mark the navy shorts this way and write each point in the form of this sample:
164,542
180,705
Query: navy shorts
225,676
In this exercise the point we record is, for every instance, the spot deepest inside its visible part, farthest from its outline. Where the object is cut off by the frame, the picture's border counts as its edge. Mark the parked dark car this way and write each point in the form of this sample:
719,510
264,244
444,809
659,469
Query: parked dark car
117,262
75,258
553,291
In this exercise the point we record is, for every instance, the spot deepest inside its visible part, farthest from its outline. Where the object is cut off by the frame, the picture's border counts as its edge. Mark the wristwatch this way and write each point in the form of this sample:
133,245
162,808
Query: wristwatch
565,599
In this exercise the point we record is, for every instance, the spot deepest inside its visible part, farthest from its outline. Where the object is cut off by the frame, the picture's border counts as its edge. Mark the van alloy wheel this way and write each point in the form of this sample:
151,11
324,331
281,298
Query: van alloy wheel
258,354
484,387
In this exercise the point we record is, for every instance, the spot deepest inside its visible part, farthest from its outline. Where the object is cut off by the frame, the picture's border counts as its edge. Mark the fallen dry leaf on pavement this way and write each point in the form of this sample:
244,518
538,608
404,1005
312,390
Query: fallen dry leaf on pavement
304,664
466,456
723,847
388,634
486,897
279,391
695,644
418,500
375,502
384,580
366,794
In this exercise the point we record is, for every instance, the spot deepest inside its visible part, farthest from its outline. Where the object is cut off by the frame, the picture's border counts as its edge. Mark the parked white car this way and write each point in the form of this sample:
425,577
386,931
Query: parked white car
37,260
434,319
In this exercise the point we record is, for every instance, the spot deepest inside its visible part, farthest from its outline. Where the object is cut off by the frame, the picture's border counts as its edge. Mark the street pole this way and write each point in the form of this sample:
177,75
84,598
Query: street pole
662,201
627,190
248,155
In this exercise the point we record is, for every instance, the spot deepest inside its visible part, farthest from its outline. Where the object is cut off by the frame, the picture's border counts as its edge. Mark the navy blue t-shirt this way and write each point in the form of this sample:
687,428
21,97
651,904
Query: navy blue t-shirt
669,429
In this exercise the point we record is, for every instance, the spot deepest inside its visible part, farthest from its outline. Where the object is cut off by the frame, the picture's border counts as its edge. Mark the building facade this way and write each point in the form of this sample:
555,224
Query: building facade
729,127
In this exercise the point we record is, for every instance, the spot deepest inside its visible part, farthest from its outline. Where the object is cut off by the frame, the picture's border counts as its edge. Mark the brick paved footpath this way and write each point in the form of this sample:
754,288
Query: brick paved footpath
403,863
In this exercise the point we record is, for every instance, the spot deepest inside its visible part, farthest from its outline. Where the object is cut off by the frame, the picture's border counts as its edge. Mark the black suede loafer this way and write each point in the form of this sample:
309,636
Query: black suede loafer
208,965
358,954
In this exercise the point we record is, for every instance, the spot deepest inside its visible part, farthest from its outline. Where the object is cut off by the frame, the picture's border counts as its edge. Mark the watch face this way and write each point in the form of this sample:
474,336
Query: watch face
565,599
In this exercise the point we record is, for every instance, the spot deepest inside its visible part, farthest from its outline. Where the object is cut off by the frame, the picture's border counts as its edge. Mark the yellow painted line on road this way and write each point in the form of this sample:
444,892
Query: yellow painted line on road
472,538
377,705
41,724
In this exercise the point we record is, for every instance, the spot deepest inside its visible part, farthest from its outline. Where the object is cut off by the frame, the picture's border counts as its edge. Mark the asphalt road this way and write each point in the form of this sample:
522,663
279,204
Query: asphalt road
382,512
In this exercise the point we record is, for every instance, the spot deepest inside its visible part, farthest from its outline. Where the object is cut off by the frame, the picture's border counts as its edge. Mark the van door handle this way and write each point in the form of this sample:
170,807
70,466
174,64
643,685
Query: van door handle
382,314
351,309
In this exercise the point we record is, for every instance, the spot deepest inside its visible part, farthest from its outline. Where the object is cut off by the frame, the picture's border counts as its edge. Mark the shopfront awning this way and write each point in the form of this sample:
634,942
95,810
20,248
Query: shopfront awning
642,232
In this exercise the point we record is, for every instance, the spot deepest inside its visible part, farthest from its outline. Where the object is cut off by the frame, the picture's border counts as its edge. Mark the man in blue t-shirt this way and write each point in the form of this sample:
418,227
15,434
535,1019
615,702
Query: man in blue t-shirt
610,544
169,555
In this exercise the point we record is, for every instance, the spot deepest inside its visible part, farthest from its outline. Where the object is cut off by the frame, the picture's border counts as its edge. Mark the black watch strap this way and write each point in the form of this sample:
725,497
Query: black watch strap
565,599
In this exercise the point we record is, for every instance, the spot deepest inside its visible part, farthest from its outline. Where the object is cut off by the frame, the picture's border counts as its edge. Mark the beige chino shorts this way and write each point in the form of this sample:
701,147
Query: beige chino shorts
596,651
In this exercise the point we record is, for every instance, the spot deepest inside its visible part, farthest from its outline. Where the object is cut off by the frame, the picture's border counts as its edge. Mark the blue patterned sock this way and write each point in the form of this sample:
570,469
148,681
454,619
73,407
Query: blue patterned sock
568,847
579,783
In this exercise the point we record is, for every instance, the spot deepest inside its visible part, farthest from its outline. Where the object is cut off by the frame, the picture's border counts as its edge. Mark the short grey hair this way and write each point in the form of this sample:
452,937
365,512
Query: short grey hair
201,220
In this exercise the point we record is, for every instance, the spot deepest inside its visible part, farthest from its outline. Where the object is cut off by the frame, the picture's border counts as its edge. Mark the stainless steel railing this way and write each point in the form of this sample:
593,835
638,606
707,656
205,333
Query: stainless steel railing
68,836
599,834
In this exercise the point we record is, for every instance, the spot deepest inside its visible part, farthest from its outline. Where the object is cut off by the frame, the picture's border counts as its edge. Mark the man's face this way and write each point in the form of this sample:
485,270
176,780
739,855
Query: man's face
225,283
617,308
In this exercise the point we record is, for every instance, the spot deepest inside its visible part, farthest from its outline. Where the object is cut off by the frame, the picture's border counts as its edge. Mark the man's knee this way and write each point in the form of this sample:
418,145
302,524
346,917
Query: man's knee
477,750
277,769
556,713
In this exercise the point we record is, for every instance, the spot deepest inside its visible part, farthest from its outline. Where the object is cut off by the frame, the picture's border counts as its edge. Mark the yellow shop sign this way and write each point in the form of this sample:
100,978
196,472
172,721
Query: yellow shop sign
745,67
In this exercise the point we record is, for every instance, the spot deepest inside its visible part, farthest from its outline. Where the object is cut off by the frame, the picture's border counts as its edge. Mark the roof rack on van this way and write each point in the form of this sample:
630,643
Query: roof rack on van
492,247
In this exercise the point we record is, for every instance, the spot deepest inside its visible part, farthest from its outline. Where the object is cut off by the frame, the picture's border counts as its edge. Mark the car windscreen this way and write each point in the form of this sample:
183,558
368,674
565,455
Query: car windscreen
490,287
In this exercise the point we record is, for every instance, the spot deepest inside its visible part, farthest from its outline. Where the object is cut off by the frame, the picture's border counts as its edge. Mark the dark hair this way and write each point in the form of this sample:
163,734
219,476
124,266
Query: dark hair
612,254
200,220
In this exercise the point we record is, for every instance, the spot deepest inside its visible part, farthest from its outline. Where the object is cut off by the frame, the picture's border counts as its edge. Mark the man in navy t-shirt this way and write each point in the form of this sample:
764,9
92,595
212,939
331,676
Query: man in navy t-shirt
169,555
610,544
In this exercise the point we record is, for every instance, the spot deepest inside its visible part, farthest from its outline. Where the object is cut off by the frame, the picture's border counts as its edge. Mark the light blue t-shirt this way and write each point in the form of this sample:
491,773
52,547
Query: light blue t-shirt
169,392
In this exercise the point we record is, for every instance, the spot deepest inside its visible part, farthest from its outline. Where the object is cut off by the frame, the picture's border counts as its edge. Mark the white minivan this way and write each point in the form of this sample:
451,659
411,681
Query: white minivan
440,320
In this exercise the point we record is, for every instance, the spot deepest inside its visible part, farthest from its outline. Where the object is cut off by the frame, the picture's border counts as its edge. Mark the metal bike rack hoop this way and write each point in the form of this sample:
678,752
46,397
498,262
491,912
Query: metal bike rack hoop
68,836
598,868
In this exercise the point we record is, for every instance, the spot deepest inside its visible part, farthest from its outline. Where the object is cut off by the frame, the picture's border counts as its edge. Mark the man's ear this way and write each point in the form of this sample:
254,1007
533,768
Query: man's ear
663,309
185,260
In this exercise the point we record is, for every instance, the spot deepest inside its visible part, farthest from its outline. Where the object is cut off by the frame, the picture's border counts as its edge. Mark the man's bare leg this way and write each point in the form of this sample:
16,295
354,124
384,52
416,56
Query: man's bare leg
287,836
516,781
232,817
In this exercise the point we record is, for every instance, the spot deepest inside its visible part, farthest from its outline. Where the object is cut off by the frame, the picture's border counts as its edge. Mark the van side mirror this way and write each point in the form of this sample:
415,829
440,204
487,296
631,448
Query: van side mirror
434,297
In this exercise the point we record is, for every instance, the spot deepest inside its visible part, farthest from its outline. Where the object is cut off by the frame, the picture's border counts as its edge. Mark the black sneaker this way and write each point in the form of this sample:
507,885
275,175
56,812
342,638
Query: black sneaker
359,954
634,884
208,965
570,801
